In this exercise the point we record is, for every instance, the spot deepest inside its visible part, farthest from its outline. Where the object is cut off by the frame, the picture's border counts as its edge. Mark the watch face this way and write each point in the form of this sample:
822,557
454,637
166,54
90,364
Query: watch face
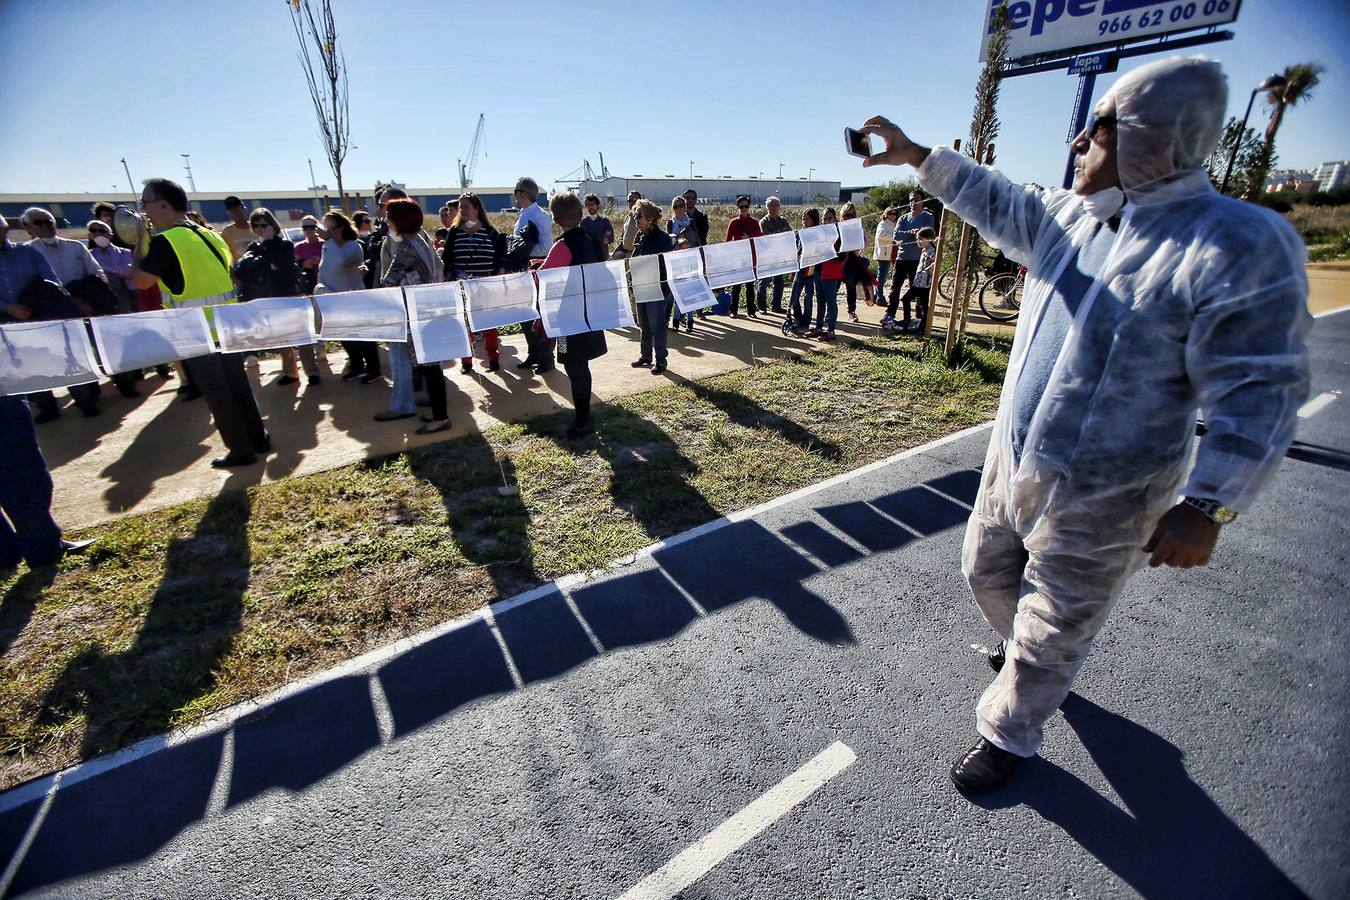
1223,515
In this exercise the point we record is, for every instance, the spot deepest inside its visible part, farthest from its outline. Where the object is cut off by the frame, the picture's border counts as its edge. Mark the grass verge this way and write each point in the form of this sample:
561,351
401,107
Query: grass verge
179,612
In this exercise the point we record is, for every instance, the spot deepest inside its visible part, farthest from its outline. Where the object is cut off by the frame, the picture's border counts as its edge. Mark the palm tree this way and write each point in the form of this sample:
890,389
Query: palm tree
1298,83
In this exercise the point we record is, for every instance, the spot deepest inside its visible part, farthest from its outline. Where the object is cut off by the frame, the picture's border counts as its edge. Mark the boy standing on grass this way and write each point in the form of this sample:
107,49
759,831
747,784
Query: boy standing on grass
920,286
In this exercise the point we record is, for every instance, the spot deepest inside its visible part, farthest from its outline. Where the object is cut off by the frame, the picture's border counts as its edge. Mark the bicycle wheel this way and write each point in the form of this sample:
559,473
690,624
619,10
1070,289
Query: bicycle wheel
1001,297
947,284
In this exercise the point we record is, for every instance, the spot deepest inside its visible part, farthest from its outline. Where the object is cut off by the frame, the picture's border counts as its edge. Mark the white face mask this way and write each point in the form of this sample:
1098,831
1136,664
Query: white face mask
102,241
593,216
1104,204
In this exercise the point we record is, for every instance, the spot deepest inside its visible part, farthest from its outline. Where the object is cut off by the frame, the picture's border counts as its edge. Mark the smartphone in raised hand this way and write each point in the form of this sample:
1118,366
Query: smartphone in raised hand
857,144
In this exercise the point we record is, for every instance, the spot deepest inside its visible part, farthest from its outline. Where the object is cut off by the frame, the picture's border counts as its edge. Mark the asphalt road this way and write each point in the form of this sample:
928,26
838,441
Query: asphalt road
769,709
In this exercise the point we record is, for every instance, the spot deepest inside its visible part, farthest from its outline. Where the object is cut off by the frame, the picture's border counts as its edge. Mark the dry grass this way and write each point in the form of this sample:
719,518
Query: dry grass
176,613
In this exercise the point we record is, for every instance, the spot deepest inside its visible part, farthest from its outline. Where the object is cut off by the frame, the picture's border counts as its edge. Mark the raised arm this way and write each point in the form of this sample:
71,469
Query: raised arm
1006,214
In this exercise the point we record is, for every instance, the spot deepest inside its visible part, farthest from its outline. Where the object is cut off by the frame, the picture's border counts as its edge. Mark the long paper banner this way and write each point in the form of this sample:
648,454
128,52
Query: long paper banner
374,315
728,263
435,318
43,356
562,301
498,300
608,303
145,339
597,296
775,254
268,323
818,244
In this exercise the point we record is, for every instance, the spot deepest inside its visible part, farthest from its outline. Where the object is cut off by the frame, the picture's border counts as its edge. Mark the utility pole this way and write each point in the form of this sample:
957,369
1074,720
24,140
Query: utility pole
313,184
187,166
691,170
780,171
131,183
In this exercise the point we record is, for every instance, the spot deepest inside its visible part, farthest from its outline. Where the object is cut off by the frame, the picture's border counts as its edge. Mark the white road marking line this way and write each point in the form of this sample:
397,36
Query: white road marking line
379,703
219,798
733,834
7,878
1316,404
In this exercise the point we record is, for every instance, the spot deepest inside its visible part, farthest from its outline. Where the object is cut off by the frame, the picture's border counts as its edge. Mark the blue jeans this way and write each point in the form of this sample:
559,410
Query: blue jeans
808,285
25,492
883,269
401,370
827,305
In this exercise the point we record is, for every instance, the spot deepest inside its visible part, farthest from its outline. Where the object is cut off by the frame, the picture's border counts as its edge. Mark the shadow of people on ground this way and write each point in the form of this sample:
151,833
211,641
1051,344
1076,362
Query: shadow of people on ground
19,602
1174,841
199,602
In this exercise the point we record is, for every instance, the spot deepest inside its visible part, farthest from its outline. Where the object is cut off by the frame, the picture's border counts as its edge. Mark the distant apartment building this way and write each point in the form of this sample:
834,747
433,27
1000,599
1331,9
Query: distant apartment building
1333,175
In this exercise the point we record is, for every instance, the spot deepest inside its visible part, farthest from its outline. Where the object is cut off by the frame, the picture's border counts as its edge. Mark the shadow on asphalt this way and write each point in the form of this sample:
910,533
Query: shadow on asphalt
1174,841
130,812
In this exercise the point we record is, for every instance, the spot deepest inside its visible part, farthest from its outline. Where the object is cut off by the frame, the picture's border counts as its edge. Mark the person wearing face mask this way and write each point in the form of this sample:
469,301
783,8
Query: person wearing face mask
69,259
684,233
1148,295
191,265
599,227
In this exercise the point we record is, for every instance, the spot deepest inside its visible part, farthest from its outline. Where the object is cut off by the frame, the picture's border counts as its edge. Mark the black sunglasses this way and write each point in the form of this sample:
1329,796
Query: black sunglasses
309,227
1097,123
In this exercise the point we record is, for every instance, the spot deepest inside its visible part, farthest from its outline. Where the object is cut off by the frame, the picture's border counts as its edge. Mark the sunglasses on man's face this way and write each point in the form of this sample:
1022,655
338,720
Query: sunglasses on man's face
1097,123
309,227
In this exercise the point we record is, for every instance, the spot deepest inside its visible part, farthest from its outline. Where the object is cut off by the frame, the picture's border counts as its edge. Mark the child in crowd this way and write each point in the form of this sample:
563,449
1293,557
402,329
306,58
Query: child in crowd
919,290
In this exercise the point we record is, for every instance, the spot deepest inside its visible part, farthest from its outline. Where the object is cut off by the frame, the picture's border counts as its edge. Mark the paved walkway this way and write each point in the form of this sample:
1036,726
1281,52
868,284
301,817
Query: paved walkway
153,452
766,706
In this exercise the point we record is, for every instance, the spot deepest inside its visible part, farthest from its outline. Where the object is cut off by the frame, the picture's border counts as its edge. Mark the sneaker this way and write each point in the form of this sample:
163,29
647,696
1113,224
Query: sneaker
371,378
466,369
826,337
853,317
494,365
541,368
353,374
315,378
689,327
526,363
812,333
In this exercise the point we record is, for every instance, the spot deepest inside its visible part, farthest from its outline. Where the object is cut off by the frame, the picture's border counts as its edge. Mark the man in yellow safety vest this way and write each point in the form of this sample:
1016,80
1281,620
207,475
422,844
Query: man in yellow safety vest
191,265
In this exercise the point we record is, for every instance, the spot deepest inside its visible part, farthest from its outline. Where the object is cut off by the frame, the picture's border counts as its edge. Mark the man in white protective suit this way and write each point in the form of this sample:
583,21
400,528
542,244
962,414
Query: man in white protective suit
1148,297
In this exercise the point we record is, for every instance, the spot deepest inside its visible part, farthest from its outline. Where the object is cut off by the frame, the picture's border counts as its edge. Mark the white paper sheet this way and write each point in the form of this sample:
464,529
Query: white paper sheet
728,263
683,263
497,300
562,301
144,339
268,323
436,320
818,244
373,315
851,235
608,304
43,356
775,254
692,293
646,274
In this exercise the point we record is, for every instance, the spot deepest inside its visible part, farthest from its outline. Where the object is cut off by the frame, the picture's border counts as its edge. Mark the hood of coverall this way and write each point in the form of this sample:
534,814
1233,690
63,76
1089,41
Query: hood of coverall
1169,117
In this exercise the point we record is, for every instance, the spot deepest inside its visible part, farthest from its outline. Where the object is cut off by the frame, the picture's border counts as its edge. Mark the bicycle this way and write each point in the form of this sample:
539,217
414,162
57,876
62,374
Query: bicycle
1001,295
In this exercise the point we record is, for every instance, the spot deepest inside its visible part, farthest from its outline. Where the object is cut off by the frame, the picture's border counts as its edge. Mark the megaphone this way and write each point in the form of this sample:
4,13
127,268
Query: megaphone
133,229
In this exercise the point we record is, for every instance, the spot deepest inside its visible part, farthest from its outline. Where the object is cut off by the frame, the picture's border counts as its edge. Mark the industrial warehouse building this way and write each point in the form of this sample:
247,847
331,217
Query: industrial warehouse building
712,190
288,206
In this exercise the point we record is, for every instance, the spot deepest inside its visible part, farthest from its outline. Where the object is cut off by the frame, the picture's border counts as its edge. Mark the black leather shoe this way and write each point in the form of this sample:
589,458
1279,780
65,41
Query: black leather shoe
999,656
233,460
525,363
543,367
640,363
658,368
43,418
983,767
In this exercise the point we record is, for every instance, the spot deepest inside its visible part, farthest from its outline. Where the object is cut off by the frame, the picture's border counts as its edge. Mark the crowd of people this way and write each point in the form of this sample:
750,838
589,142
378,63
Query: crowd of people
52,277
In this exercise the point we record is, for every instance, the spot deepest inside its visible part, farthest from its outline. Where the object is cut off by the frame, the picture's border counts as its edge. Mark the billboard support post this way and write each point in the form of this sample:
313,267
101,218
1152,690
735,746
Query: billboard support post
1086,82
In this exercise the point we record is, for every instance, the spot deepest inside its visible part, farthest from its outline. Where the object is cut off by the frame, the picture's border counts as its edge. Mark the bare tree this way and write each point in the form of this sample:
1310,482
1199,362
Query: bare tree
326,74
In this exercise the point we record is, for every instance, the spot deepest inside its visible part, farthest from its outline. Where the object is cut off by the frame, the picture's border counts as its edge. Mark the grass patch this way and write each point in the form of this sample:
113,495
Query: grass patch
176,613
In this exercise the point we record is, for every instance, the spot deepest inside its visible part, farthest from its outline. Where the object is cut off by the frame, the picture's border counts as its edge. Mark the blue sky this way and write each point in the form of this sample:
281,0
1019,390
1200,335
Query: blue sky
738,88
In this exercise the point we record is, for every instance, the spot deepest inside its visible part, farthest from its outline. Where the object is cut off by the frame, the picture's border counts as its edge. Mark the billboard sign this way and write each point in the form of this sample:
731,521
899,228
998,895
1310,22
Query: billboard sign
1046,28
1093,64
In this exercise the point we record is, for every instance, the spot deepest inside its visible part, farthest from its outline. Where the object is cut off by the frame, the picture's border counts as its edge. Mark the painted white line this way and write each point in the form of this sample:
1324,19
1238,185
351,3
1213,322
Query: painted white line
1330,312
379,702
1316,404
373,659
733,834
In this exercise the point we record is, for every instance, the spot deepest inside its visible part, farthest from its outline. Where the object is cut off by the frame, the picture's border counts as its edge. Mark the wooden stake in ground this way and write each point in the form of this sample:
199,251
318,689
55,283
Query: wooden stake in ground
970,276
947,219
961,294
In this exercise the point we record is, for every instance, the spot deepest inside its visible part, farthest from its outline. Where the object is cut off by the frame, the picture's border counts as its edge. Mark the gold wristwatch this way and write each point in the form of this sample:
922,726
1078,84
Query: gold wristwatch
1215,511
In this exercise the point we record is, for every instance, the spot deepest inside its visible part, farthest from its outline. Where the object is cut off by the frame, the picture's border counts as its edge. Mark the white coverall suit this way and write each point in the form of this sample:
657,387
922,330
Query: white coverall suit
1201,303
